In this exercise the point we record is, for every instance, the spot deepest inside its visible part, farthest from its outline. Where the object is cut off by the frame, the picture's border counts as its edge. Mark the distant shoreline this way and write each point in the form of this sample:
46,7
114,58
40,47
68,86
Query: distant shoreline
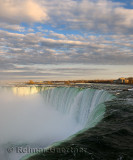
120,81
70,82
67,85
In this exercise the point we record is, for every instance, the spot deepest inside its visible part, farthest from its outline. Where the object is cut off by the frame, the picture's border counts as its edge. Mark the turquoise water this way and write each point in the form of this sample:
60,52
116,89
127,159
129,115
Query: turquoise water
38,117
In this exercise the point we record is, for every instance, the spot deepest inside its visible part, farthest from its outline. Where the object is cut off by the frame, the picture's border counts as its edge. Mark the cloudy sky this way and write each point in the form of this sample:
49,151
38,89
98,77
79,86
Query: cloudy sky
66,39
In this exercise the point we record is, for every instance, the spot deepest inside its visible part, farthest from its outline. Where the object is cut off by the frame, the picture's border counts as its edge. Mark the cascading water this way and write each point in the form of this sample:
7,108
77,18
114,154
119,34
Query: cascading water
110,139
84,105
37,116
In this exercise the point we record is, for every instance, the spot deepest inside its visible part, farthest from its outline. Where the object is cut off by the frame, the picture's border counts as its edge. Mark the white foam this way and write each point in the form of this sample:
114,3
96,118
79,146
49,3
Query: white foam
27,120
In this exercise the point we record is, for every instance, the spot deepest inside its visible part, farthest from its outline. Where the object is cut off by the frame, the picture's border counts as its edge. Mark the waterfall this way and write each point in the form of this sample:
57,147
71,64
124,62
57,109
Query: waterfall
37,116
86,106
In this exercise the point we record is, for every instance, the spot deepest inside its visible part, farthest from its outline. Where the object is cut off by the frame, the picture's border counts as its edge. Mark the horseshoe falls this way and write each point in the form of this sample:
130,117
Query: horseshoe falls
86,106
38,117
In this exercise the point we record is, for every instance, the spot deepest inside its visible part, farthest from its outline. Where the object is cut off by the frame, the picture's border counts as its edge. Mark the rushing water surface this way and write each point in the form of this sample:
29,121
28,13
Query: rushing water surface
95,120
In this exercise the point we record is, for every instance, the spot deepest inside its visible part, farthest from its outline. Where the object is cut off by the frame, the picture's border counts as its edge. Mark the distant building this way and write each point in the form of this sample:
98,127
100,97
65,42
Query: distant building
126,81
123,80
120,80
130,80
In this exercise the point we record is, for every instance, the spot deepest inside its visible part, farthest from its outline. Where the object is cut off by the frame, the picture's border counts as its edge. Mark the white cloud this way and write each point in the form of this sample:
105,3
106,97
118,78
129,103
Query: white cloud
12,27
16,11
18,51
57,35
47,47
86,15
35,48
